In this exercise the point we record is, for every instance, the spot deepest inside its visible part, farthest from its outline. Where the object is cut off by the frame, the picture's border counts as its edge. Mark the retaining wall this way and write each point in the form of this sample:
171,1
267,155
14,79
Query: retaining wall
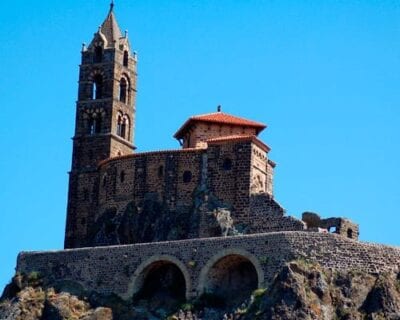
119,269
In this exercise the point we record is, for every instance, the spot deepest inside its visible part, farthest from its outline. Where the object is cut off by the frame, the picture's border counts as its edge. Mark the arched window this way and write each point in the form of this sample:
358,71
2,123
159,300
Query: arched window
91,126
350,233
97,89
127,128
123,86
160,171
187,177
119,125
94,124
122,176
98,54
126,58
123,127
227,165
97,124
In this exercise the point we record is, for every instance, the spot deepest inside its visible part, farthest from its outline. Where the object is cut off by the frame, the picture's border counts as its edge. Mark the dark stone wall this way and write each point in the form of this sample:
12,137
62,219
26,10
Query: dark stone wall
120,269
172,195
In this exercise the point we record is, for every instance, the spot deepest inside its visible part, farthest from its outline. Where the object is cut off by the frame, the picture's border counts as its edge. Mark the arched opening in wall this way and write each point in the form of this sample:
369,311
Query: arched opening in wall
230,281
91,124
123,86
122,176
98,54
97,89
119,124
125,128
187,177
350,233
227,164
126,58
161,284
97,124
160,172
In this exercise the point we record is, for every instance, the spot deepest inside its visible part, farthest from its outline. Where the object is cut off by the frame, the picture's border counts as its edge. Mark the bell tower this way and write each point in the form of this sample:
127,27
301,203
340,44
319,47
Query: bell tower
104,123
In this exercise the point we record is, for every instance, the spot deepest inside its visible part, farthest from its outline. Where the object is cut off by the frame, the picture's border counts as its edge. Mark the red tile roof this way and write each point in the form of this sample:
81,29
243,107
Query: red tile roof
238,137
219,117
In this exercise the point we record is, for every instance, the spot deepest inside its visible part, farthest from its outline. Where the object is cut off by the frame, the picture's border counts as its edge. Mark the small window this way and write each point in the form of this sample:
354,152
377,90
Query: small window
123,86
119,125
160,171
227,165
97,125
126,58
350,233
97,88
91,126
98,54
332,229
91,156
123,129
122,176
187,176
83,221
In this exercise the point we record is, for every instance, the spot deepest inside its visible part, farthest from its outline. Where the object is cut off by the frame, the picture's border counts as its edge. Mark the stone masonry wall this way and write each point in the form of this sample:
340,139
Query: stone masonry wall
175,194
201,132
120,269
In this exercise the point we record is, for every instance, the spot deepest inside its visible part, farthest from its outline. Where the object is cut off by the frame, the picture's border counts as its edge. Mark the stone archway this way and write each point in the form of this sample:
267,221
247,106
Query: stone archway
231,275
160,275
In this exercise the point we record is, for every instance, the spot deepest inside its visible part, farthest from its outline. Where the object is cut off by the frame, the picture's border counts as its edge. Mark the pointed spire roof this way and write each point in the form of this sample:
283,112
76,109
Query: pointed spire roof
110,28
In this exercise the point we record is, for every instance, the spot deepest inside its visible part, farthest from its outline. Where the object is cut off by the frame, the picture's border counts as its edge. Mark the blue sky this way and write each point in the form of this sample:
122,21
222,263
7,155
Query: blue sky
324,76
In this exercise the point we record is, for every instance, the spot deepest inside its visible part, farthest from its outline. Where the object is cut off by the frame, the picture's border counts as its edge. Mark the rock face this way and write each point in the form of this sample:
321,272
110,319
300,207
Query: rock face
301,290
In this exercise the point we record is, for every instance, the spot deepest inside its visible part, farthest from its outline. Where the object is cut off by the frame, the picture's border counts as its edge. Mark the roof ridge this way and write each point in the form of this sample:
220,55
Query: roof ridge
207,114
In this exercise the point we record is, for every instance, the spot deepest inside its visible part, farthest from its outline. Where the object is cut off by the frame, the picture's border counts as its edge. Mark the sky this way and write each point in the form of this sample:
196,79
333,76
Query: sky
323,75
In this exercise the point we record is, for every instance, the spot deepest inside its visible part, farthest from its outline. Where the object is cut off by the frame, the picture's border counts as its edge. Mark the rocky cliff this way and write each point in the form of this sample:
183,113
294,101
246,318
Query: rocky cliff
301,290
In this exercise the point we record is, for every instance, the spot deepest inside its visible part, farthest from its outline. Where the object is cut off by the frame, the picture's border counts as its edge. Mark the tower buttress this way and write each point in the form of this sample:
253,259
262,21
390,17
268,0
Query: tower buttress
104,123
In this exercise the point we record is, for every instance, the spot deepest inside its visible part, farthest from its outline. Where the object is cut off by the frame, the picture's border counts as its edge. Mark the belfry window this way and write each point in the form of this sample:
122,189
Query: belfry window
97,89
91,126
123,86
98,54
97,124
126,58
123,126
94,124
119,125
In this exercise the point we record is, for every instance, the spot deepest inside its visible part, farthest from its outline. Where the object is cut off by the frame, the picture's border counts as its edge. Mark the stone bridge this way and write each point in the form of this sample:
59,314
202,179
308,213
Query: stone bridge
221,265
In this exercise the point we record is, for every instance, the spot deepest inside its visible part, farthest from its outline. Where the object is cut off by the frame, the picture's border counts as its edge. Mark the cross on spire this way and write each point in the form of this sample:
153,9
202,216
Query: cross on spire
111,5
